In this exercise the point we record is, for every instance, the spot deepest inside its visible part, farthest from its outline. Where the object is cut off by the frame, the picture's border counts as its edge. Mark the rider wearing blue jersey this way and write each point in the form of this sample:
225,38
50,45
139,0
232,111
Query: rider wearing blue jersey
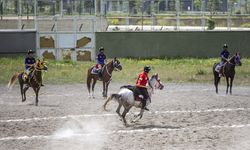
101,60
224,58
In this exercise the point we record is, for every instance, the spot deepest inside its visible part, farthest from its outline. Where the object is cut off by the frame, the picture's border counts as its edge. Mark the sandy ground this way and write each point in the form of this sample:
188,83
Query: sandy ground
182,116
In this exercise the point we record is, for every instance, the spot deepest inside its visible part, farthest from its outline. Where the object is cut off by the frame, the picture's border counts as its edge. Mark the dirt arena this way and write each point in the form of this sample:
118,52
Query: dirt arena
182,116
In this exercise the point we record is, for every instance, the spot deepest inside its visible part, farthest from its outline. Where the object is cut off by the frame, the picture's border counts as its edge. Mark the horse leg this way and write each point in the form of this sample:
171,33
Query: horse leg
93,87
89,84
216,82
24,92
118,109
21,88
227,85
106,89
36,91
125,111
231,85
103,88
139,116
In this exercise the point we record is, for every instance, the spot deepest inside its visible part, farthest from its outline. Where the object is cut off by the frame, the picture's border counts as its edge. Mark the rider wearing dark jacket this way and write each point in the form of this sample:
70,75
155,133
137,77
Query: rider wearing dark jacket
225,53
141,83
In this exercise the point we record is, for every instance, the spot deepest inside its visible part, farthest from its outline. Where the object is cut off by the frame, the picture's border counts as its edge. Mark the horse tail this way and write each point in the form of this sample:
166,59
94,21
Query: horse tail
12,81
113,96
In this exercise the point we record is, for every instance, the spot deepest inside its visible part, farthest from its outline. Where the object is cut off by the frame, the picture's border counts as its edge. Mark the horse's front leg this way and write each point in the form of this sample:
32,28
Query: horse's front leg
24,92
103,89
231,85
227,85
106,89
139,116
36,92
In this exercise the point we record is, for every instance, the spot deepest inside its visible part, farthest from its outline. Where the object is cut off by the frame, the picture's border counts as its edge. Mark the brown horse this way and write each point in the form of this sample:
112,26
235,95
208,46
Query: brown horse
228,70
105,78
126,98
34,81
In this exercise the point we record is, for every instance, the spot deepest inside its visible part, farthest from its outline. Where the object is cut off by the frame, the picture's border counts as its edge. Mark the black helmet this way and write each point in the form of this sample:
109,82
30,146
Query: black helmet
101,48
225,46
30,51
147,69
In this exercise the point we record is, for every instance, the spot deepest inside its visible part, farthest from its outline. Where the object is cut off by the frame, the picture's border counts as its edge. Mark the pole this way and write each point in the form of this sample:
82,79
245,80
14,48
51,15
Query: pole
1,7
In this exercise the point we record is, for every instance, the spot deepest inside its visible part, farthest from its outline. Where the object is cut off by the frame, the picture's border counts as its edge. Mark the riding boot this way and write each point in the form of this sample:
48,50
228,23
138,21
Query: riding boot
144,105
100,73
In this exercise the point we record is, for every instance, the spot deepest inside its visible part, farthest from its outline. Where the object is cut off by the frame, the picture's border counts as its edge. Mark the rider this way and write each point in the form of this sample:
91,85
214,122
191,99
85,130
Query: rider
101,59
224,58
29,64
141,83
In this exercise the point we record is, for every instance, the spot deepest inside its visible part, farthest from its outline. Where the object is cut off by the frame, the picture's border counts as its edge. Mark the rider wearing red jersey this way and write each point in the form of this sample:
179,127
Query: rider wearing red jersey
141,83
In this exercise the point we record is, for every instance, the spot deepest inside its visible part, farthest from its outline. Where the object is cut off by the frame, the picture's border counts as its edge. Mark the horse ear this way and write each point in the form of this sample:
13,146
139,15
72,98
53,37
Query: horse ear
115,58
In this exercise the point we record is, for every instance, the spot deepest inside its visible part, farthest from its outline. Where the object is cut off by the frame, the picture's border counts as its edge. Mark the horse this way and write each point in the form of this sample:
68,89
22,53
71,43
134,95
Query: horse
228,70
128,98
34,81
107,70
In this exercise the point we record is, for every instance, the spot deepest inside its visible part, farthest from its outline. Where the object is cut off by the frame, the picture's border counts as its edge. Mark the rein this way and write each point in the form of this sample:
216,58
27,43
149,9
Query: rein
108,71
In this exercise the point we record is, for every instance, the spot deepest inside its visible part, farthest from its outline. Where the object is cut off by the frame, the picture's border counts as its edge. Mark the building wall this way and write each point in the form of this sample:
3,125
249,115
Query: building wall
172,44
17,41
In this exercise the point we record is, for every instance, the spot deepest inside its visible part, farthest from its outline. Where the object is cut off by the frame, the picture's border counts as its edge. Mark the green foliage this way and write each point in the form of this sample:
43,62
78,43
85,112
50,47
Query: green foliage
246,25
115,21
210,24
197,4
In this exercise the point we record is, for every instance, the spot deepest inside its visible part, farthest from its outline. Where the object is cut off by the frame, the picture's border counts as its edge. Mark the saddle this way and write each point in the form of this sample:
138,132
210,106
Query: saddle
222,69
137,95
97,71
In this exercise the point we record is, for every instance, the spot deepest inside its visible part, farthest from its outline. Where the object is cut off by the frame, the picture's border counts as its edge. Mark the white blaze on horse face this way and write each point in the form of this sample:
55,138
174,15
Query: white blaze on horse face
127,95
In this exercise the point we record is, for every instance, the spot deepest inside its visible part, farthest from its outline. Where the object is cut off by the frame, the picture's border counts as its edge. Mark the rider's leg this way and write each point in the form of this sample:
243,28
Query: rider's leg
144,92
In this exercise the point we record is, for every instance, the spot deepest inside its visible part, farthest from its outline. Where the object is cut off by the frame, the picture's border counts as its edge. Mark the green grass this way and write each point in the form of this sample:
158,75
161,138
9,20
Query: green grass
170,70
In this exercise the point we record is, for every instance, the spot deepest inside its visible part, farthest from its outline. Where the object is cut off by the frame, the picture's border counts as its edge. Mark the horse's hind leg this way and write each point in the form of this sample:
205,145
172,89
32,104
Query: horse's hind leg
118,109
93,88
24,92
216,82
125,111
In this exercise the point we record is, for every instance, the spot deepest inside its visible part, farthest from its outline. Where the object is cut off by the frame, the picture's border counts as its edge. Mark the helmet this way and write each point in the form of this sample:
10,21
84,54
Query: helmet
30,51
147,69
101,48
225,46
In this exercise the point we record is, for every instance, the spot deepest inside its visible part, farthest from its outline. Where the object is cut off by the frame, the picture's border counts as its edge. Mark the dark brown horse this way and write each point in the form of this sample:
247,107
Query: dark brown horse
35,80
105,78
228,70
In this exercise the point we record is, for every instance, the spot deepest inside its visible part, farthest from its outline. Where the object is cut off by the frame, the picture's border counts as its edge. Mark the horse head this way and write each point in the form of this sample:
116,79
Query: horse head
116,64
155,82
237,59
41,65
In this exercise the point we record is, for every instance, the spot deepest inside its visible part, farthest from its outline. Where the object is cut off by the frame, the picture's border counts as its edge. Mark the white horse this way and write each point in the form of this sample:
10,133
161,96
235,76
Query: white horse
127,98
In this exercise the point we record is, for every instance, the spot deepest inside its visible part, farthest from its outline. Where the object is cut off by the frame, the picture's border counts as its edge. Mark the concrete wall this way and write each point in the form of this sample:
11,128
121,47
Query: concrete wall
172,44
17,41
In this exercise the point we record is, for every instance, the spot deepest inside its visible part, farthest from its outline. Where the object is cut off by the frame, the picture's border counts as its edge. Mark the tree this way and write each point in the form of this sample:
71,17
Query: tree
197,4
